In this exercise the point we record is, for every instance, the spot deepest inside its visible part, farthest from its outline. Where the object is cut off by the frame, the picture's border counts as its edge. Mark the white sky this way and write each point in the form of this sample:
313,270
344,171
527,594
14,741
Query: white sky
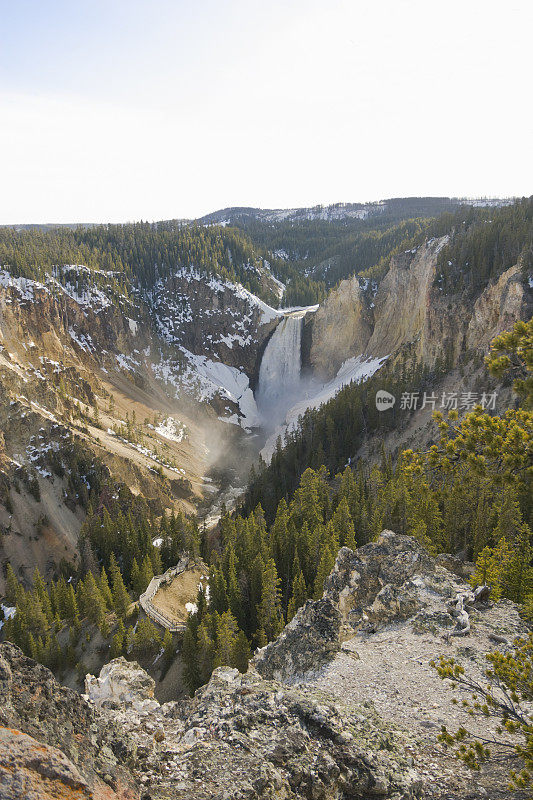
113,110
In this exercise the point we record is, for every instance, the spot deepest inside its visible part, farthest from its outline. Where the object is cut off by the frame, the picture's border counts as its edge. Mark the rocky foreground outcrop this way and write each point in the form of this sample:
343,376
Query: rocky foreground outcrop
344,704
244,737
390,580
239,737
390,610
51,742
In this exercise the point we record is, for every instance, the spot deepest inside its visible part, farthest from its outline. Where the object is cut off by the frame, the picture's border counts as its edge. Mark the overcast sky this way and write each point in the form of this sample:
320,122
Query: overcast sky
114,110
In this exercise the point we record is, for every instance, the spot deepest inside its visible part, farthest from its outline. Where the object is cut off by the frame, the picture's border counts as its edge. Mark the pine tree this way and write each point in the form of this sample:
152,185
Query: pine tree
41,591
14,591
342,525
261,637
331,539
135,579
234,590
326,563
32,650
225,640
481,528
218,596
269,614
103,585
93,603
299,590
146,638
306,502
206,652
121,598
510,521
128,639
118,641
104,627
241,652
491,566
157,566
519,574
71,606
189,654
34,615
88,559
305,555
169,649
282,546
146,573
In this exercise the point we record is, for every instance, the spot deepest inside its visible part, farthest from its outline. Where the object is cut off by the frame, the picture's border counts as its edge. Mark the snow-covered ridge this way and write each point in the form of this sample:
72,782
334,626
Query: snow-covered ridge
225,318
173,309
90,296
337,211
25,287
199,375
328,213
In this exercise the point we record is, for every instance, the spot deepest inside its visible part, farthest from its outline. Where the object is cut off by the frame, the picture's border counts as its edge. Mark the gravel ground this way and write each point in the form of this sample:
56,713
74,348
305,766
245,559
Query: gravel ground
391,668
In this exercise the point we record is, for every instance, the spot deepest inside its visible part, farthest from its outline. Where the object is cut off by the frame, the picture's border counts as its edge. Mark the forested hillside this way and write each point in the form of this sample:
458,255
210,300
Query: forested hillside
470,492
309,255
331,250
484,244
138,252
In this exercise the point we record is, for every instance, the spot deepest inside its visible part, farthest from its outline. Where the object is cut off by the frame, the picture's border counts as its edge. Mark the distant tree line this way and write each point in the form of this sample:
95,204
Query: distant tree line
483,244
142,252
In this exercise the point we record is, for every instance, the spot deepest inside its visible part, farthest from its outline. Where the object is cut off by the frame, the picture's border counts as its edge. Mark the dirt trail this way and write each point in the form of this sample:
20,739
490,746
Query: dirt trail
171,600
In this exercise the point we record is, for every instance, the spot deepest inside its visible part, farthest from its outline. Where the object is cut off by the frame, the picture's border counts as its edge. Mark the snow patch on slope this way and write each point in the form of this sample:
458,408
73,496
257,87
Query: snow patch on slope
171,429
354,370
204,378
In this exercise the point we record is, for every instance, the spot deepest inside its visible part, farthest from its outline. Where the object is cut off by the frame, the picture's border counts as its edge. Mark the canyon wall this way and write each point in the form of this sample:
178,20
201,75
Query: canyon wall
409,308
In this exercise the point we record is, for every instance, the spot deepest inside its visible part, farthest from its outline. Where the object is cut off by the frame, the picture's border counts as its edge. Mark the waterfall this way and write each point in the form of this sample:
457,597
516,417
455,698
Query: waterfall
279,373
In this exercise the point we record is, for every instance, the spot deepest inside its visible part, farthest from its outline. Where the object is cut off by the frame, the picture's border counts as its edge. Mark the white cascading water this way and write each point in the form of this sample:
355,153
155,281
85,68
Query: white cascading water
279,373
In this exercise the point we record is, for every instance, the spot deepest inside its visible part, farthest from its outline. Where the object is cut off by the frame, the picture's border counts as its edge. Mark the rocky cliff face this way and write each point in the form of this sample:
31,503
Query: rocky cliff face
343,324
402,300
239,737
60,322
410,309
140,333
244,737
82,356
497,309
344,704
211,317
